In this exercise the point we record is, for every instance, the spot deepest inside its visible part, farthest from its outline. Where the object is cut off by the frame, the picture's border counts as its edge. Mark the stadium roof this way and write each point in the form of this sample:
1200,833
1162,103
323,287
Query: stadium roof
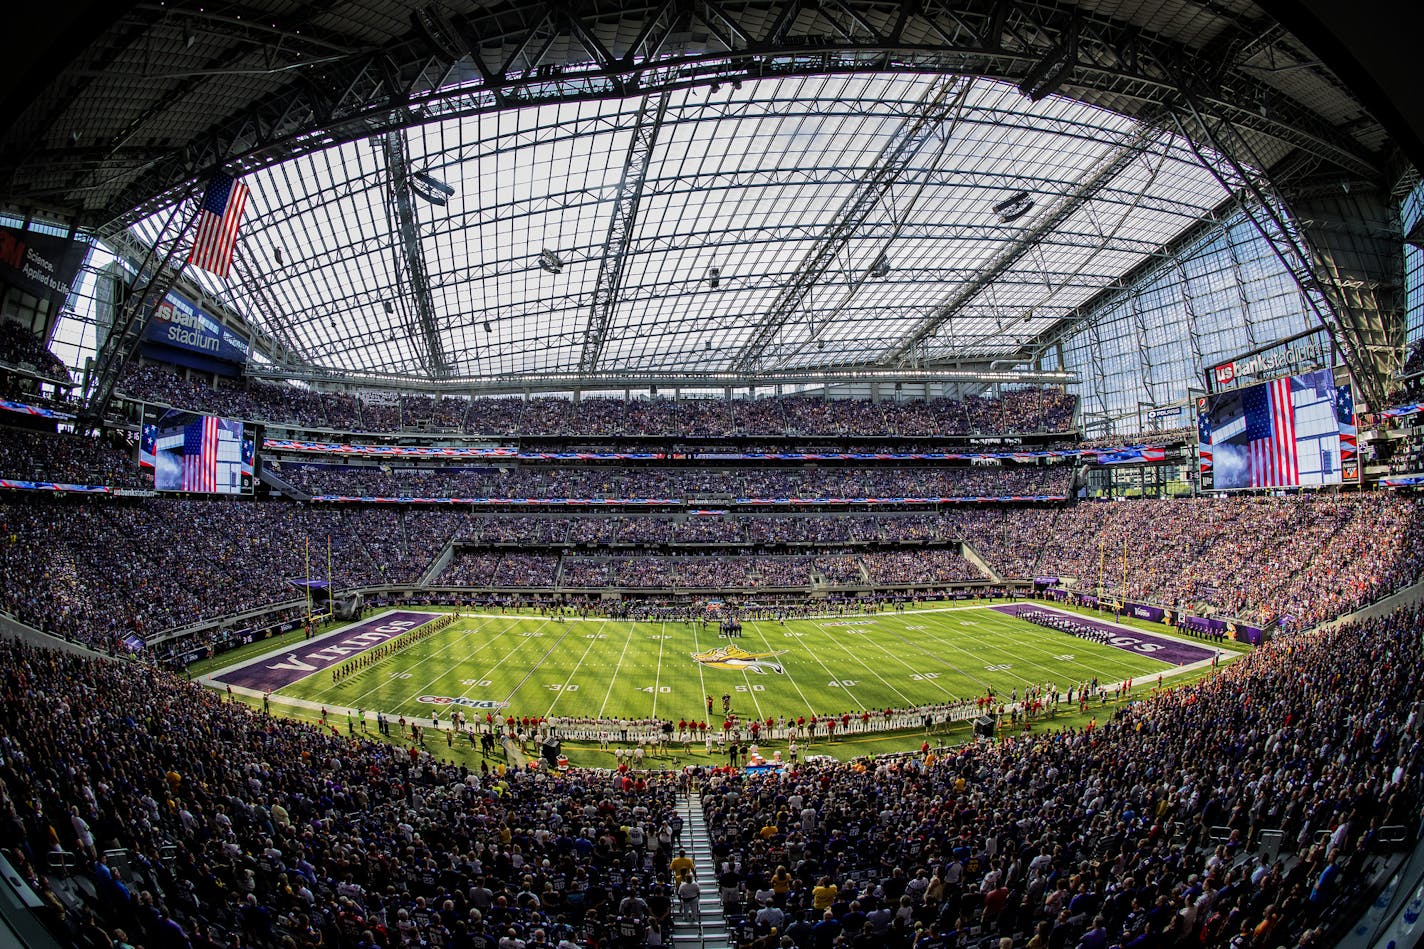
689,185
743,193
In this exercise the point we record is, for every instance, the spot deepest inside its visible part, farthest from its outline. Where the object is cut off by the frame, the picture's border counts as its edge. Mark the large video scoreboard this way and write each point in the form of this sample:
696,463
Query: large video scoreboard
1295,431
197,454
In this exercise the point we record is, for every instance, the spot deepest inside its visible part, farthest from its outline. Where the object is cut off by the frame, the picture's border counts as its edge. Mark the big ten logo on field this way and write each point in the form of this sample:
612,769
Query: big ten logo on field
461,700
1128,642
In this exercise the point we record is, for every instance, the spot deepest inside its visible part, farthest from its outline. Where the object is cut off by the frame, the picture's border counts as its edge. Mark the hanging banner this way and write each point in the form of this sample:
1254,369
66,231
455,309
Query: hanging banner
180,324
41,265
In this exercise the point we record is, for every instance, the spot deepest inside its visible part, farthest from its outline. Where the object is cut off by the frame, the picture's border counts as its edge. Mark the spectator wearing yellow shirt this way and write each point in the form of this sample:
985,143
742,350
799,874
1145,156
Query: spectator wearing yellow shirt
823,894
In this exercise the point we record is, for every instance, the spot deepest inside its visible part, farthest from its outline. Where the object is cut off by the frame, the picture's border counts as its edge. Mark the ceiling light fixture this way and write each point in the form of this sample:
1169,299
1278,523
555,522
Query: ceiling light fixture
1014,207
430,188
548,260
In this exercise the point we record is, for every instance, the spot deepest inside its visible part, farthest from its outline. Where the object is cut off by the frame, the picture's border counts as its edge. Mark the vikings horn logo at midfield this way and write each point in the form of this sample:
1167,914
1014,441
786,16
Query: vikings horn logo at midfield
734,657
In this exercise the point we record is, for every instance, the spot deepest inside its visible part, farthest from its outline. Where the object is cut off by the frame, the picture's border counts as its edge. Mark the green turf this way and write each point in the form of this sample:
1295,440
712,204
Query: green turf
613,669
588,755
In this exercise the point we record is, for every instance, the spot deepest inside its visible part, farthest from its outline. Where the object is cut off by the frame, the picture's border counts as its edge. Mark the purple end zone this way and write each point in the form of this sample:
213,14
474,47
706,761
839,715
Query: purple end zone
1133,640
274,672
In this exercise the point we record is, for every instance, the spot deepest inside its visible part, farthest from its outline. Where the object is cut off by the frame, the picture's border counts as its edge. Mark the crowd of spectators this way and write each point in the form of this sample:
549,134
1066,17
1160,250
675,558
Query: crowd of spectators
23,349
241,829
1013,410
500,570
1299,560
1155,436
243,399
756,530
168,562
101,570
933,565
615,481
743,571
746,571
840,569
69,459
1105,835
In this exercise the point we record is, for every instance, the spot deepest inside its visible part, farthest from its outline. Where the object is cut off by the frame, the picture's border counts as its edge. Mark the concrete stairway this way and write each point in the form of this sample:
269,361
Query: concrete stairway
708,930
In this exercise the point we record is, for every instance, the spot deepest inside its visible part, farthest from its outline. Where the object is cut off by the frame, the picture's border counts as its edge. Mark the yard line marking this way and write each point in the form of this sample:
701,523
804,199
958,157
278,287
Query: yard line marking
489,673
839,641
586,650
614,677
701,677
809,707
382,683
988,646
891,654
547,653
752,692
658,676
900,635
1103,661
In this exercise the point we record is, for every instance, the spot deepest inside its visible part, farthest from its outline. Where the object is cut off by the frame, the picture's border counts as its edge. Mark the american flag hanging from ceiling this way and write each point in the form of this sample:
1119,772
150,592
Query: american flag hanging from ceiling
218,221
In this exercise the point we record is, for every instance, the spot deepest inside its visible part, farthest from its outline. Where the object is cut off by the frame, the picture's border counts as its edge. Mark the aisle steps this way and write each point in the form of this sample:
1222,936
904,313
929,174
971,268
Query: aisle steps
709,931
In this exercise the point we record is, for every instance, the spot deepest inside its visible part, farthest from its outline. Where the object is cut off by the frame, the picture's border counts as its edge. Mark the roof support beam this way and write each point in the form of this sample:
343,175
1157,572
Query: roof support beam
1040,231
977,373
156,273
1346,305
126,245
349,94
942,101
410,256
621,226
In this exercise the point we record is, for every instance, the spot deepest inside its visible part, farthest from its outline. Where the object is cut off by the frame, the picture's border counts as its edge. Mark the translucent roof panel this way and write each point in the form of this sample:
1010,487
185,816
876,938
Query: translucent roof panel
747,192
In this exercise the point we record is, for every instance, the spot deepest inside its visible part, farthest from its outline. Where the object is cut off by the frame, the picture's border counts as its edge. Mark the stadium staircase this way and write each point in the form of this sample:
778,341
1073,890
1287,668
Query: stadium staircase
972,555
707,927
281,486
438,565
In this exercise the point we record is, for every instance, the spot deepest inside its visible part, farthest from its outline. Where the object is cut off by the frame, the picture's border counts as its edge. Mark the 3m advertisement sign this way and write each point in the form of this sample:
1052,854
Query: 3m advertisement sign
41,265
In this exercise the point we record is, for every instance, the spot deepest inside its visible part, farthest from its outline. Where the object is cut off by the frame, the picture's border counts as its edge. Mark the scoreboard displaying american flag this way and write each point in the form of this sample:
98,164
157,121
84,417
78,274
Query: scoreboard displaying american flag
1295,431
197,454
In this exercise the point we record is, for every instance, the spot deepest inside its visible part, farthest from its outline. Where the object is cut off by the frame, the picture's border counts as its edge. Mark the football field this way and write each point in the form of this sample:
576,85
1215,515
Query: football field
610,669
